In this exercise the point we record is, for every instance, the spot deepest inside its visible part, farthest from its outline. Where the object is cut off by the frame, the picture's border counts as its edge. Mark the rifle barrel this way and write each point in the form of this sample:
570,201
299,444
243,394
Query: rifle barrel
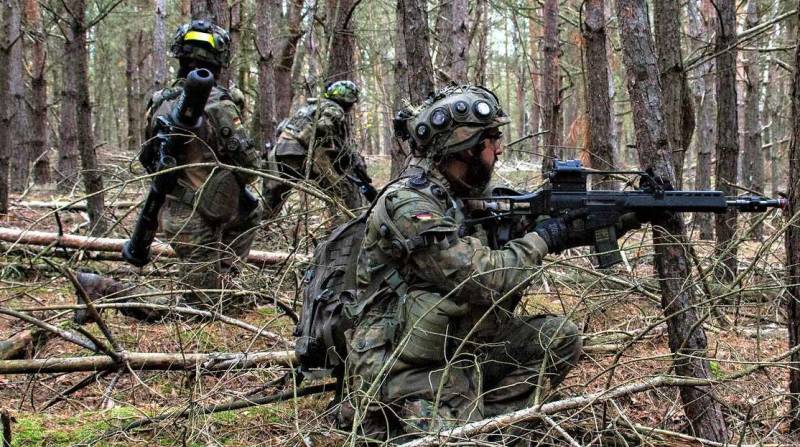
754,204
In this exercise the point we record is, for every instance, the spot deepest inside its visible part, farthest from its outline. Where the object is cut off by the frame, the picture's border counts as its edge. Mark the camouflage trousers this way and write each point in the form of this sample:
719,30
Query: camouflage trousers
208,255
291,165
392,400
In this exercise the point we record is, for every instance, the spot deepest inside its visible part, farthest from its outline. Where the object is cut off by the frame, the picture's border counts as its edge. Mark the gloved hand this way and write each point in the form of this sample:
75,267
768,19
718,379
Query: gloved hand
559,233
628,222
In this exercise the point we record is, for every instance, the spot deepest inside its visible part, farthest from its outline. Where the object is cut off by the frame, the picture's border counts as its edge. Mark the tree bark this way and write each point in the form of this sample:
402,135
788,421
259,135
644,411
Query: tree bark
159,50
753,165
68,124
285,59
417,49
131,97
552,120
265,11
453,35
5,112
678,110
536,86
727,147
39,128
20,162
705,101
77,58
598,99
413,71
687,339
481,26
792,242
341,37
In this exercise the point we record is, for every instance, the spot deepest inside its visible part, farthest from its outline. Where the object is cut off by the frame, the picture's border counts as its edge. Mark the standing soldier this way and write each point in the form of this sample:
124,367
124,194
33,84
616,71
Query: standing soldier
319,127
436,341
210,217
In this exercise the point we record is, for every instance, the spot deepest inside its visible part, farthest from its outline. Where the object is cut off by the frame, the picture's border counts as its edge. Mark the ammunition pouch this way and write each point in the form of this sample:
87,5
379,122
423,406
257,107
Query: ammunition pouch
218,199
427,327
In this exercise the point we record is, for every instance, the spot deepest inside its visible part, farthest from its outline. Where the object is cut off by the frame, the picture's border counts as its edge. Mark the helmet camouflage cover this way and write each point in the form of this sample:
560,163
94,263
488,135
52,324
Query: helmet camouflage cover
343,92
452,120
202,40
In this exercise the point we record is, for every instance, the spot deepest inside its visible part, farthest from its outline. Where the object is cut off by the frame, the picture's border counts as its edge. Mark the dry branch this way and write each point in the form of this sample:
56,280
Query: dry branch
150,361
29,237
70,206
16,345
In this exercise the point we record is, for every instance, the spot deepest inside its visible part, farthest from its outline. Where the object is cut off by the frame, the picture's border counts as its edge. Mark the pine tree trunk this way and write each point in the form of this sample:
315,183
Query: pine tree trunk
551,86
78,60
687,338
5,112
39,127
753,162
341,37
705,102
20,162
598,99
536,87
680,124
727,148
68,124
792,241
417,50
265,11
413,70
159,49
287,51
130,94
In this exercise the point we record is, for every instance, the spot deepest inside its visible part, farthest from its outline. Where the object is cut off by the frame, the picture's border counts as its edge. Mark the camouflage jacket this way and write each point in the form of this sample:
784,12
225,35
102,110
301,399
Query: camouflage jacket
417,228
329,131
222,138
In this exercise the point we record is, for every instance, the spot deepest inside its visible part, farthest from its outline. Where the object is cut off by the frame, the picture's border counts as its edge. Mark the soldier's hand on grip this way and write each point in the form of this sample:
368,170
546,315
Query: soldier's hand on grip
561,233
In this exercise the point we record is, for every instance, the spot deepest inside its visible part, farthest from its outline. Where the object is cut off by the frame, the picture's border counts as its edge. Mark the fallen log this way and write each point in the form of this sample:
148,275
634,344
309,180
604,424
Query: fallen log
30,237
79,205
20,343
151,361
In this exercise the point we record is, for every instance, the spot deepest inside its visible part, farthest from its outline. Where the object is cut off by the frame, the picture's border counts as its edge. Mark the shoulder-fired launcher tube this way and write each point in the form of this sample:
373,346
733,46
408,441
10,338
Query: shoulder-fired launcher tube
188,112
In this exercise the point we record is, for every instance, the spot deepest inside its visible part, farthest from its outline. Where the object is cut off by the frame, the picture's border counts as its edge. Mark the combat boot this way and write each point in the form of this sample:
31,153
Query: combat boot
95,286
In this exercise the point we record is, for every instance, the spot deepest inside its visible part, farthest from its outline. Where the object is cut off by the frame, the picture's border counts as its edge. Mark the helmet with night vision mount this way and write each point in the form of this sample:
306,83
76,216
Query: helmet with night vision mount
450,121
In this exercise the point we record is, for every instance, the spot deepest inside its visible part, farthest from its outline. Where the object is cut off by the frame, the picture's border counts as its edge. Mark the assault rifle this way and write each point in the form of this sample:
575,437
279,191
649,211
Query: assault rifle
566,192
172,132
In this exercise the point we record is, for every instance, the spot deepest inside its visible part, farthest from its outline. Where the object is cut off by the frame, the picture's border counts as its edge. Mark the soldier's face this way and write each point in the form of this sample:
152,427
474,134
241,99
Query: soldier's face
492,150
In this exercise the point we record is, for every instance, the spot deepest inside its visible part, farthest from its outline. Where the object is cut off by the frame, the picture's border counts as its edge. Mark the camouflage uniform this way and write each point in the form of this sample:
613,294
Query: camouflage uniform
319,124
427,284
207,243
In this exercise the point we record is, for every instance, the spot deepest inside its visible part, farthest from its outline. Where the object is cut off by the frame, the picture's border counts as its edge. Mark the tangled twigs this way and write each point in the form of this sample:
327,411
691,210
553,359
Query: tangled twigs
234,405
63,333
118,352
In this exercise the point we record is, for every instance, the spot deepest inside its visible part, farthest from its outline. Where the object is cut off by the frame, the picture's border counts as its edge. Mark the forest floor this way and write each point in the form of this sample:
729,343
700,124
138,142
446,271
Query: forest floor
619,312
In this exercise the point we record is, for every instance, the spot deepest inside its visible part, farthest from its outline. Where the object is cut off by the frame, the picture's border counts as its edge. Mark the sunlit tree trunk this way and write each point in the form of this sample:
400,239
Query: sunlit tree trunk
598,99
687,338
551,85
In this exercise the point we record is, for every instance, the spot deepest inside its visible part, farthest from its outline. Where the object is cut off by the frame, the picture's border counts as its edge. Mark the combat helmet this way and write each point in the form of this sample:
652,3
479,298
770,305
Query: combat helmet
202,40
450,120
344,92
